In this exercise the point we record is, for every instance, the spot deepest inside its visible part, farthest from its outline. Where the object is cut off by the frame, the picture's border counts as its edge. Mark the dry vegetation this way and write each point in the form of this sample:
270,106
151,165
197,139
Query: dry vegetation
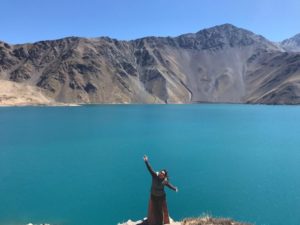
207,220
202,220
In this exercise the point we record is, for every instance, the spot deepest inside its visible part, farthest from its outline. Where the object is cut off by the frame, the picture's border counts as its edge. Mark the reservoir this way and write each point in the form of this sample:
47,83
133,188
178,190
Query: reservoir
84,165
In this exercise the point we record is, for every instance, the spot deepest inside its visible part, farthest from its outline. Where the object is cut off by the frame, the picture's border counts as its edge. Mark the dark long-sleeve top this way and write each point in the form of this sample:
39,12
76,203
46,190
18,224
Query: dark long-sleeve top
157,187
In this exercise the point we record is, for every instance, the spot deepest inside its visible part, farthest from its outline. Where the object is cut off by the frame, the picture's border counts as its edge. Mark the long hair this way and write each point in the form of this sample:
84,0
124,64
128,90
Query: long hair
166,174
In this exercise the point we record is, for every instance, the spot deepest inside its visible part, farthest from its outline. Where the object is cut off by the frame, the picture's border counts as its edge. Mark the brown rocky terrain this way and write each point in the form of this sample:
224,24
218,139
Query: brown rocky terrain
219,64
12,93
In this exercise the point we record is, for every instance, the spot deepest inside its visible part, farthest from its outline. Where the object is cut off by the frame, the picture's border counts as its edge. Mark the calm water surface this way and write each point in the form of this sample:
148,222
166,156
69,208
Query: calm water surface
83,165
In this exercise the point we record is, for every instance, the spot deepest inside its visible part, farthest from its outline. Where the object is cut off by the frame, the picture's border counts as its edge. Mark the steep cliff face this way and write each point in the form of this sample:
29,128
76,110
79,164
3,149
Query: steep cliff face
219,64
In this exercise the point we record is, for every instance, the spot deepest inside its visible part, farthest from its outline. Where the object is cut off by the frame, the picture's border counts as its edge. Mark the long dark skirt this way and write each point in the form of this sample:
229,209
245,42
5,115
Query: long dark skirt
158,211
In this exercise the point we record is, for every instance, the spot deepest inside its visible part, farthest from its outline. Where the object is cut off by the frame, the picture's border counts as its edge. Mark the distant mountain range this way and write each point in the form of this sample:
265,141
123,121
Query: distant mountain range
220,64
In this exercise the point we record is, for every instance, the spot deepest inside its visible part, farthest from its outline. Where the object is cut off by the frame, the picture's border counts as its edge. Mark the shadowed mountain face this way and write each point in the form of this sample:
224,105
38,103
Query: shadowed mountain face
220,64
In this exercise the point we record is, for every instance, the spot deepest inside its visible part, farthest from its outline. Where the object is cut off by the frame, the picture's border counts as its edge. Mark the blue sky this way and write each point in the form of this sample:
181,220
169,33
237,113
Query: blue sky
33,20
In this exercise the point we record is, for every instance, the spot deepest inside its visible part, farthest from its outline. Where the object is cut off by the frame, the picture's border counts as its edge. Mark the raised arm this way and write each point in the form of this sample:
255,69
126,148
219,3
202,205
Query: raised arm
169,185
152,172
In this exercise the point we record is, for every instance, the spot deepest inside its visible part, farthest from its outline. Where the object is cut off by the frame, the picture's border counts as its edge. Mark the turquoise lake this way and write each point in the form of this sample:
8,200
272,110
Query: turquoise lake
84,166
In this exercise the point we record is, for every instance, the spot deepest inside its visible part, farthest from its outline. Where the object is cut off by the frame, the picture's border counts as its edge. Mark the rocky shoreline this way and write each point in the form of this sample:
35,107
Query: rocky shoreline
204,220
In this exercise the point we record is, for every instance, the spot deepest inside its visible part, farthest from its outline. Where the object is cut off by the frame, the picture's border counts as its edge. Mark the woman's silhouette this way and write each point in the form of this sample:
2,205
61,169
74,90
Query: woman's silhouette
157,210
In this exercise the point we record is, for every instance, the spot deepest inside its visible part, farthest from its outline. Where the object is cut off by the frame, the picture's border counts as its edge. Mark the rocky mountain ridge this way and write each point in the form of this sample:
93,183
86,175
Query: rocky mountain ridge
219,64
291,44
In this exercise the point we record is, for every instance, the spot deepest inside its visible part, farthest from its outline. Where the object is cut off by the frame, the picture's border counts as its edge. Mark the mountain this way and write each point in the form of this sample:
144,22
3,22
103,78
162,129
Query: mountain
220,64
291,44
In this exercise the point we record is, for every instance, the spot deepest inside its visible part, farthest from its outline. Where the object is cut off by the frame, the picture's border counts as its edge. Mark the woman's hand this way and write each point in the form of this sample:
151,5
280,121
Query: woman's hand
145,158
176,189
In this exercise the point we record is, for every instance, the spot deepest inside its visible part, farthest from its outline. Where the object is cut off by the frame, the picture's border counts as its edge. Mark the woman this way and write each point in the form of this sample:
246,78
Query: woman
158,211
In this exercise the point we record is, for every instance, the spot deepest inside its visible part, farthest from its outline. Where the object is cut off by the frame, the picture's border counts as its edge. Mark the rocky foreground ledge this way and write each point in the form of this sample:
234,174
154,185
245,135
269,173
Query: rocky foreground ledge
205,220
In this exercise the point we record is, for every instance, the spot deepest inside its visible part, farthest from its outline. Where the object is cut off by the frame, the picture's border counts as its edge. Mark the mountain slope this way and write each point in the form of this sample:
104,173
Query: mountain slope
291,44
219,64
12,93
